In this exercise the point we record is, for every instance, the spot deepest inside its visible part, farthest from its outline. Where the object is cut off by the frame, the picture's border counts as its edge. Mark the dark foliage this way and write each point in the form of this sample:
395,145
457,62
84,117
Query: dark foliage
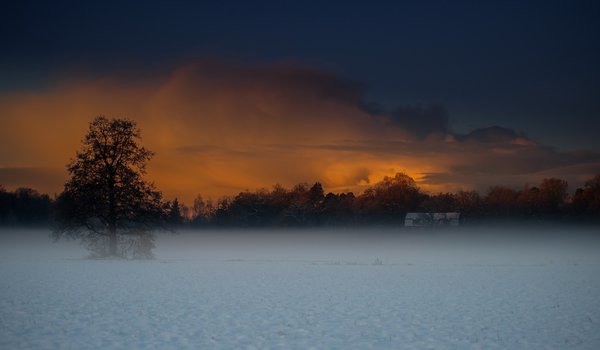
387,202
25,207
384,203
106,201
586,201
174,216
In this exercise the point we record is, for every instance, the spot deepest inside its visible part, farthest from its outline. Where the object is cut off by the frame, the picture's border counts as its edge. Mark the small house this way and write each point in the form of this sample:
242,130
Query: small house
431,219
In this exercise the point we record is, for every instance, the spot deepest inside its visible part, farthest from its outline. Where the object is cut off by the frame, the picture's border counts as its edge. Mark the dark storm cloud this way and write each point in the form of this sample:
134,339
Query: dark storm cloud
494,134
284,80
524,64
499,155
502,151
575,174
421,120
218,128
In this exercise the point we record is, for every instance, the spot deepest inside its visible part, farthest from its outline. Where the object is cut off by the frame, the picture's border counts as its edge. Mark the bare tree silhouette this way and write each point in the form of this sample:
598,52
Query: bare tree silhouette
106,201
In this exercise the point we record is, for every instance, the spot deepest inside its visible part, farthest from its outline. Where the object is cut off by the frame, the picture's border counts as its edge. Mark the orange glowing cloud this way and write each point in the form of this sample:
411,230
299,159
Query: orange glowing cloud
218,129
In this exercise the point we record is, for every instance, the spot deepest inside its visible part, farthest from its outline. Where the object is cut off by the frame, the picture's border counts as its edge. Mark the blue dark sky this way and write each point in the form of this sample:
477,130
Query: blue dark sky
529,66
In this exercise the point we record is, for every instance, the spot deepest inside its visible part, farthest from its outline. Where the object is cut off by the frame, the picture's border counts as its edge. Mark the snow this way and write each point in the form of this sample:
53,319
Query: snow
301,290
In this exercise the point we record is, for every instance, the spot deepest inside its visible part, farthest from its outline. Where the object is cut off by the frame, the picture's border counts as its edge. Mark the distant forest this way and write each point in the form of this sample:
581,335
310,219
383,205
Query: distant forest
384,203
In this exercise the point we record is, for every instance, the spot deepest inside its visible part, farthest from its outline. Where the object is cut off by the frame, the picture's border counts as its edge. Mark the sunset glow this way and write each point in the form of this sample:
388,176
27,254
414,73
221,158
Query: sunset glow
241,97
218,129
357,174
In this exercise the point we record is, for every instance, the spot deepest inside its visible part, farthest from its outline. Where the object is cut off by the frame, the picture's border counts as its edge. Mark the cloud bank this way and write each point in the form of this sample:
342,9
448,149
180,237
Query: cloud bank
221,128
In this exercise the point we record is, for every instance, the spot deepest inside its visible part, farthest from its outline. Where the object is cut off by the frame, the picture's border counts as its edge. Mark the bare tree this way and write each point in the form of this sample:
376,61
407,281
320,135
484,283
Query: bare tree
106,201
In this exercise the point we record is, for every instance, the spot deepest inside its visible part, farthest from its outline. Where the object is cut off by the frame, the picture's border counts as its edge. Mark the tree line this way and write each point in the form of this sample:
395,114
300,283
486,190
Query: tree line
113,210
387,202
26,207
304,205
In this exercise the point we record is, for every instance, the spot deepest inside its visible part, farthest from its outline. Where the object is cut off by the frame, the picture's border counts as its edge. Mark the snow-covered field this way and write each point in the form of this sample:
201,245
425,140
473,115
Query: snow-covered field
299,290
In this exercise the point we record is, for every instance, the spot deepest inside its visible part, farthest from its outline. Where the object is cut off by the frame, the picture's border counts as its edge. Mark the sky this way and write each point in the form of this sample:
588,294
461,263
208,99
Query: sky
237,95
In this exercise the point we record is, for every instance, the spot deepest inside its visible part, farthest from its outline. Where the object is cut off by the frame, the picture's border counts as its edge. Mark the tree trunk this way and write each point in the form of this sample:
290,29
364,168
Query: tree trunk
112,216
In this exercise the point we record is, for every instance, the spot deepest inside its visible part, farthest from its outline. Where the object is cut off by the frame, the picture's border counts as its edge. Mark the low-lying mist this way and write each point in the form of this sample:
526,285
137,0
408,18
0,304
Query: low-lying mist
374,245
